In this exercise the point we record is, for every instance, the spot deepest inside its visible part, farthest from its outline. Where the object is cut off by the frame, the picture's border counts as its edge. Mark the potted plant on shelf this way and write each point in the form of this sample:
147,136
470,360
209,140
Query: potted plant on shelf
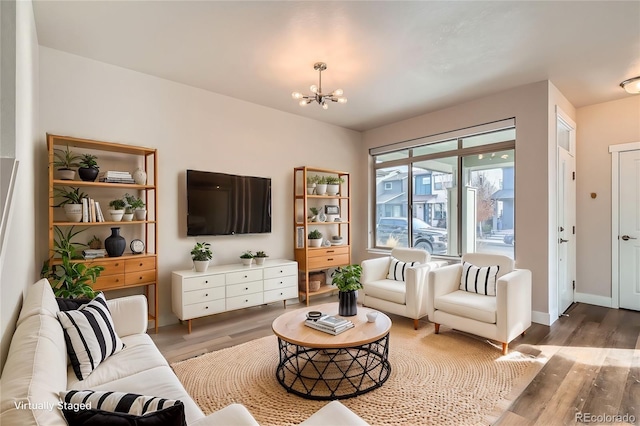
66,161
72,203
247,258
201,255
67,278
321,185
260,257
117,209
315,238
311,184
89,169
95,243
333,184
134,205
314,211
347,279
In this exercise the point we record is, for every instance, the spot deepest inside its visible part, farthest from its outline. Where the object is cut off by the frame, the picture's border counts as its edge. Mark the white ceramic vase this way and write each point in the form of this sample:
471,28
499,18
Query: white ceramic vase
140,176
316,242
260,260
127,217
201,265
116,215
73,212
141,214
333,189
321,189
246,262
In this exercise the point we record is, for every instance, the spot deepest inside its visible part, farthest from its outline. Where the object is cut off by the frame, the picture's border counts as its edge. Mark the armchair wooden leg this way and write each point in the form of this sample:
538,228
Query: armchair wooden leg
505,348
437,326
524,333
415,324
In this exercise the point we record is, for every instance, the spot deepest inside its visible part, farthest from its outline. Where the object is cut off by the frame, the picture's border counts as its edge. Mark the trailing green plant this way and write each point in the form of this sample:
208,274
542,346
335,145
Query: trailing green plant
201,252
347,278
65,158
69,279
117,204
315,235
88,161
247,255
334,180
72,196
261,254
132,203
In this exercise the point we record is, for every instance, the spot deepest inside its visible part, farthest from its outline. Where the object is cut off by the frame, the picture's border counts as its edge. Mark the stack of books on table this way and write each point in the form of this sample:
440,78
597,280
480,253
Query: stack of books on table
329,324
113,176
93,253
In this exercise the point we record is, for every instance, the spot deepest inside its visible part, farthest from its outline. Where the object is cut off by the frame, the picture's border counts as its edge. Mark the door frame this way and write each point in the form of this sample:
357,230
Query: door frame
615,151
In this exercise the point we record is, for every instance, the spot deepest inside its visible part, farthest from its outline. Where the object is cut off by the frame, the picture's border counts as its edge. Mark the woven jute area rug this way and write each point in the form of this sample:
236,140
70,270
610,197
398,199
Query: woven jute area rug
446,379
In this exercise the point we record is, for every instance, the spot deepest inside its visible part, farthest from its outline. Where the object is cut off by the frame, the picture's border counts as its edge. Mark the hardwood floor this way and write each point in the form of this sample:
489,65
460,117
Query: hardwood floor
592,368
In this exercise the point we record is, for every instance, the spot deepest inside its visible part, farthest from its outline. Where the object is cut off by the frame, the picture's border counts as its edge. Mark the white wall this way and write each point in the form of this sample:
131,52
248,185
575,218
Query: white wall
192,129
529,105
18,266
600,125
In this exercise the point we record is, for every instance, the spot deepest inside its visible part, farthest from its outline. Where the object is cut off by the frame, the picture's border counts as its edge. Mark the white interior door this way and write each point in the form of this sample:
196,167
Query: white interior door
566,229
629,230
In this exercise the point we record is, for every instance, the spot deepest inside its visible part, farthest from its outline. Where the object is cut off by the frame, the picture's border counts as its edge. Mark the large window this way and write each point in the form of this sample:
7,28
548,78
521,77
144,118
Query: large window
429,209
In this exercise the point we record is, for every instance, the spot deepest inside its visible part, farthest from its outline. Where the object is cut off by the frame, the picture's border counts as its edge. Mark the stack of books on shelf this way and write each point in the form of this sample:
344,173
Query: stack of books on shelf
114,176
329,324
91,211
93,253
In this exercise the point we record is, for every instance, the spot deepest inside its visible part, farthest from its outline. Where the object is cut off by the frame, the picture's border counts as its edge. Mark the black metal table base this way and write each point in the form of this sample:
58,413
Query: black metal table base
328,374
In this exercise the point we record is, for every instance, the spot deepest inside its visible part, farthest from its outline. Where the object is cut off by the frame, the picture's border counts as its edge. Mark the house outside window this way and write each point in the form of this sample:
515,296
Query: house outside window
425,179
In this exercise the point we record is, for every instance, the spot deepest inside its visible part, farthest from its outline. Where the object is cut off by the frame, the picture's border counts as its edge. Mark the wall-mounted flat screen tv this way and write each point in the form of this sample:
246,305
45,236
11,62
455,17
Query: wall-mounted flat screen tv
224,204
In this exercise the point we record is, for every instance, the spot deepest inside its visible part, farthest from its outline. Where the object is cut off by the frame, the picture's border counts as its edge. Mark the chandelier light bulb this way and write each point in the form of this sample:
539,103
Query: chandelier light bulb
632,85
313,88
325,106
338,92
296,95
303,102
342,100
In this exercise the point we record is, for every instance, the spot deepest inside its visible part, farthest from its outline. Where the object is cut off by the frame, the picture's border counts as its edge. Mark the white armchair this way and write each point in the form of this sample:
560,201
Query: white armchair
407,298
501,317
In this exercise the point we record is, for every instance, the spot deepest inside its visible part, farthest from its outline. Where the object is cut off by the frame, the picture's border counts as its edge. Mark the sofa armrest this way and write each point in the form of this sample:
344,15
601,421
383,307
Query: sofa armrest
416,289
130,314
374,269
233,414
513,293
335,414
442,281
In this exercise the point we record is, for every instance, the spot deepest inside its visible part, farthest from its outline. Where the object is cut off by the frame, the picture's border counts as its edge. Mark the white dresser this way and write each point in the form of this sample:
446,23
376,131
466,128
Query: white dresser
229,287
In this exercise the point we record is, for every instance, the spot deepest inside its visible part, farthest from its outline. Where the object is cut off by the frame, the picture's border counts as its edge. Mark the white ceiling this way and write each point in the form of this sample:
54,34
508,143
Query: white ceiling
394,60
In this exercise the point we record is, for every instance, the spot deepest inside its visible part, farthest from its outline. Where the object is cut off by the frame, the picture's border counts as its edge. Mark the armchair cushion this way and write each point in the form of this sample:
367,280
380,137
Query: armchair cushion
397,269
468,305
477,279
390,290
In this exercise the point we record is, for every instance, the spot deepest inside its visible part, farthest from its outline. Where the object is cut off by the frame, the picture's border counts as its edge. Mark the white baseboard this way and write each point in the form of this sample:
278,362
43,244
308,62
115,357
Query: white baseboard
542,318
592,299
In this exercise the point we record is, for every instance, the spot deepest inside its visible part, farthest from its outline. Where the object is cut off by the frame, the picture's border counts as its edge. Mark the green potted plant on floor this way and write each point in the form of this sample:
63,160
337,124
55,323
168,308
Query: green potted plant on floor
65,161
201,254
260,257
347,280
247,258
315,238
89,169
72,203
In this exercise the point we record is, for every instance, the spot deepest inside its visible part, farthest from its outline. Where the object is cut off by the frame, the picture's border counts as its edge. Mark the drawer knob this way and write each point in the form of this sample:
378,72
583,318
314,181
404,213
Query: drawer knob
206,294
206,282
117,280
331,258
117,264
140,264
281,282
140,278
245,276
246,288
330,251
281,271
247,300
206,307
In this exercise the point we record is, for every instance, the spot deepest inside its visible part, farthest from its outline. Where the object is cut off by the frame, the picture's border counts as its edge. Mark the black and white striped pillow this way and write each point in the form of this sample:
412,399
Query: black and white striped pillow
397,269
90,336
481,280
89,407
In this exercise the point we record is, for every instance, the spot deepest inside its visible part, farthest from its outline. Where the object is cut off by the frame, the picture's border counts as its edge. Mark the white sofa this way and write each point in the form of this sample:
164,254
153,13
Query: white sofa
36,370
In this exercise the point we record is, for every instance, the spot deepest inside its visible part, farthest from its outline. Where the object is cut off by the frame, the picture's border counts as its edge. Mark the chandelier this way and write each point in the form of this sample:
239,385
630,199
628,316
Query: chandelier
317,95
631,85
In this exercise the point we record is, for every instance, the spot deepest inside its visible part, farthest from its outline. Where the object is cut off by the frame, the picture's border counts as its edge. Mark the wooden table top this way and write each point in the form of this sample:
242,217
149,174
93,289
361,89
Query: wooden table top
290,327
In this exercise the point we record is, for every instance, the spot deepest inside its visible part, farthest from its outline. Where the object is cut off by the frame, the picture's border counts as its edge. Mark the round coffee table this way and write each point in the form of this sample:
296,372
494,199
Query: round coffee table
318,365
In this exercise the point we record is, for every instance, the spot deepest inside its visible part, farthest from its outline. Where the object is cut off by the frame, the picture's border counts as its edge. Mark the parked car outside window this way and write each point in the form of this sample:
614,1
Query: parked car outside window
425,236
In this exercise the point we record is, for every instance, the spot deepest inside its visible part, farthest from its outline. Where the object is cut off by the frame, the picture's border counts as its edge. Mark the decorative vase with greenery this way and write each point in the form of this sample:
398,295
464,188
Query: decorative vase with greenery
260,257
134,205
67,278
347,279
315,238
117,209
333,184
201,254
66,161
72,203
89,169
311,184
247,258
321,185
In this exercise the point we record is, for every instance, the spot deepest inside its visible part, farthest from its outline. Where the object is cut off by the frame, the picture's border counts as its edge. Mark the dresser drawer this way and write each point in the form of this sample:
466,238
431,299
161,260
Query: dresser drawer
205,295
203,309
280,283
140,277
281,294
328,261
204,281
106,282
281,271
141,264
244,276
245,301
111,267
329,251
246,288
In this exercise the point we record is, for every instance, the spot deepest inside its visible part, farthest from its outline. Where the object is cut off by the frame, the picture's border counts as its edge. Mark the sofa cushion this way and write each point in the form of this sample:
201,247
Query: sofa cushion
39,300
468,305
397,269
481,280
391,290
97,408
90,336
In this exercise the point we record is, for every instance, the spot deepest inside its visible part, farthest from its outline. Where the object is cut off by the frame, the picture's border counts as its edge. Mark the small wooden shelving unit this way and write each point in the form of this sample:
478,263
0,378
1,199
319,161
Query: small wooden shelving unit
311,259
129,270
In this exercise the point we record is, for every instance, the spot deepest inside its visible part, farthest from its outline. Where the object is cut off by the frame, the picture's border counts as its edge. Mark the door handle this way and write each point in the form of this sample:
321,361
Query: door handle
627,238
563,241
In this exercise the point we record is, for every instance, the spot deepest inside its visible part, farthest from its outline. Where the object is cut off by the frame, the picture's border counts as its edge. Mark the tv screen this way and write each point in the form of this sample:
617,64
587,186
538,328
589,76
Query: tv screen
224,204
